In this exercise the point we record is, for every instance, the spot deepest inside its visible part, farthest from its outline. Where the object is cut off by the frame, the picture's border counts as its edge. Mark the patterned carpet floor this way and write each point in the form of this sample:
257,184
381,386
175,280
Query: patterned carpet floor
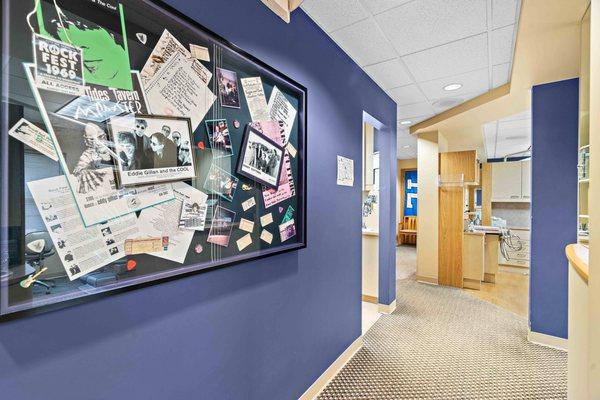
442,343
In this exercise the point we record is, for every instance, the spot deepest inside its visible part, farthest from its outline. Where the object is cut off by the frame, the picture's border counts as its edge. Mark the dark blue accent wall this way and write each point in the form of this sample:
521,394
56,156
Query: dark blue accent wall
553,202
259,330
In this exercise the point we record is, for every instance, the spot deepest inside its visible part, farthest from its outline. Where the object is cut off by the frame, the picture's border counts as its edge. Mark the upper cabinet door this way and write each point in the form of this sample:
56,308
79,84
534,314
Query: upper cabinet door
506,181
526,179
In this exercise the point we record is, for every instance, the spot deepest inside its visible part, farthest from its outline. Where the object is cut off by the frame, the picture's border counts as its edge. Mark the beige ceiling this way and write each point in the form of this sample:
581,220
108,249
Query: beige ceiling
547,50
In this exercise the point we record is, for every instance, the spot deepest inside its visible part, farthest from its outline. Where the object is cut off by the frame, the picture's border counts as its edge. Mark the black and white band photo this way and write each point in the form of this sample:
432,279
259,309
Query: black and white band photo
152,148
261,158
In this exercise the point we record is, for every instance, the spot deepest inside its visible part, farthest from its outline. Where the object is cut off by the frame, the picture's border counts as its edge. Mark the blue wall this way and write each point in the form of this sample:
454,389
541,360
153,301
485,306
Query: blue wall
553,202
260,330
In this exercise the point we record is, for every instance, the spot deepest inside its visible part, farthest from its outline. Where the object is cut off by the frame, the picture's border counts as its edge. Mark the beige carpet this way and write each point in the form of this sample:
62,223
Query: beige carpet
442,343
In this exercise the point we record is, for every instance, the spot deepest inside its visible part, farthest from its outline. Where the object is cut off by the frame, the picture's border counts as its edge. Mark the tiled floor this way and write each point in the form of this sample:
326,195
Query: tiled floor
511,291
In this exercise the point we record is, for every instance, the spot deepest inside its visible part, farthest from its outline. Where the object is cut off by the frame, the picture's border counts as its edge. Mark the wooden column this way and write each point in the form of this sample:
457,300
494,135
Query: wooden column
486,194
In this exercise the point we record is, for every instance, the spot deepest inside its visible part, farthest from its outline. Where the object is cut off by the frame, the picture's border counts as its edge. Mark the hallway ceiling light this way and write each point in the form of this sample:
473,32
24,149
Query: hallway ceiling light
405,122
452,86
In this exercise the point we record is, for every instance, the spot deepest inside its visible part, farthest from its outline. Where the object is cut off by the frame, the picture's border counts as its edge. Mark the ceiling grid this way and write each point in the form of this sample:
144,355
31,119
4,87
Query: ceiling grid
415,48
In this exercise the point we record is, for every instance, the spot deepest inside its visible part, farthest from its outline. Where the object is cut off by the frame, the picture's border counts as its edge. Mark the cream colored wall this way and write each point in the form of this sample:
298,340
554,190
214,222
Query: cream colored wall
402,164
370,265
427,220
594,212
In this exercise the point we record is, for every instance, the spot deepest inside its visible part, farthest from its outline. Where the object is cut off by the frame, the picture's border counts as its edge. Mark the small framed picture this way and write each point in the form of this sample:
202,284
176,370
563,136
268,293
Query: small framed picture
152,148
221,227
229,93
221,182
260,158
218,137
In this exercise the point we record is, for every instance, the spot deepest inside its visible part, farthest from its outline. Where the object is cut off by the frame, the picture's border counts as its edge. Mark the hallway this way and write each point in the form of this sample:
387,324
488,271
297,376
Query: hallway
442,343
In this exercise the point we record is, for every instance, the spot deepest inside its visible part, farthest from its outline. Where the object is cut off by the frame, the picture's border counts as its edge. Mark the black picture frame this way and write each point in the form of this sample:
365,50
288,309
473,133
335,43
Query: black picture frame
242,156
7,179
119,163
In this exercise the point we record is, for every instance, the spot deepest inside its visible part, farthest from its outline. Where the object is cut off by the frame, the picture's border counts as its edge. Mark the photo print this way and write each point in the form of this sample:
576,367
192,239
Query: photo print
287,230
98,28
260,158
229,93
152,148
219,138
222,225
221,182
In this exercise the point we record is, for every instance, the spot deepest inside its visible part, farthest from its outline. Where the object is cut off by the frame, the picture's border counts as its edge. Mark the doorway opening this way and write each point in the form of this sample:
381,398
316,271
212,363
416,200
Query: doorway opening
370,226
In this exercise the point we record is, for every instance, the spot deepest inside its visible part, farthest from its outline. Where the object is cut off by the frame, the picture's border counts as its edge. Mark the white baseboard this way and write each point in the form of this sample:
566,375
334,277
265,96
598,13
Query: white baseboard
387,309
322,381
549,341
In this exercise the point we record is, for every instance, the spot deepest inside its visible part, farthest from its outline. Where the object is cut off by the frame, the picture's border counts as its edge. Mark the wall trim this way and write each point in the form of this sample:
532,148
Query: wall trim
370,299
322,381
542,339
386,308
427,279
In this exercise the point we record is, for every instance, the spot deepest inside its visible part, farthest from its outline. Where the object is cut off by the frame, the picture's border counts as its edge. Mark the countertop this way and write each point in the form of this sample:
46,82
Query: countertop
370,233
578,256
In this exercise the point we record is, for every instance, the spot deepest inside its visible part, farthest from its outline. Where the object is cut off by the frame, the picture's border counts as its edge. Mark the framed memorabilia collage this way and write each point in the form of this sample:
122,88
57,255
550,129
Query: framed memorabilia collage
137,147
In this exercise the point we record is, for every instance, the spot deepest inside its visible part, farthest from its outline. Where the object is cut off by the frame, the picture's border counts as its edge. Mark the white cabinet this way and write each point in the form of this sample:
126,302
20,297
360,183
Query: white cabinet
511,181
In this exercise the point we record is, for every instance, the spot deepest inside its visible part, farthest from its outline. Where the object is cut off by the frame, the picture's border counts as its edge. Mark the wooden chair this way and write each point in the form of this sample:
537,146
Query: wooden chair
407,231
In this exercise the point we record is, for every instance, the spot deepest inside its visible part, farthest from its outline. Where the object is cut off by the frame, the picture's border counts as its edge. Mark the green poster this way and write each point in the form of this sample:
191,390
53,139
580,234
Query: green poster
105,52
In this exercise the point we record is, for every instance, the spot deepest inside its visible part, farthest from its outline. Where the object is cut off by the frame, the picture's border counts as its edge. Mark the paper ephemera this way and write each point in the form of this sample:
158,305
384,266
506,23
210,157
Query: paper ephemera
163,220
286,188
146,245
291,149
166,47
266,219
345,171
280,109
81,249
200,52
176,82
248,204
246,225
244,242
255,97
266,236
34,137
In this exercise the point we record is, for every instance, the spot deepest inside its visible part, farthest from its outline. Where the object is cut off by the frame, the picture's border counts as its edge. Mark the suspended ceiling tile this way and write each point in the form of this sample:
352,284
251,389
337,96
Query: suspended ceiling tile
379,6
364,42
504,12
500,74
502,45
446,103
389,74
451,59
409,94
410,110
424,24
472,82
328,13
413,120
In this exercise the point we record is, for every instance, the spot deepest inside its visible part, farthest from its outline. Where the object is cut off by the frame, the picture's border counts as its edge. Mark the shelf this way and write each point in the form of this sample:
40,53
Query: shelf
584,147
511,200
585,180
584,216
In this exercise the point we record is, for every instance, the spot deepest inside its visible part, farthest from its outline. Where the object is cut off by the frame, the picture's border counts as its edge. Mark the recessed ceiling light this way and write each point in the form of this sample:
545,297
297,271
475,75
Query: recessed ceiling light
405,122
452,86
406,146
